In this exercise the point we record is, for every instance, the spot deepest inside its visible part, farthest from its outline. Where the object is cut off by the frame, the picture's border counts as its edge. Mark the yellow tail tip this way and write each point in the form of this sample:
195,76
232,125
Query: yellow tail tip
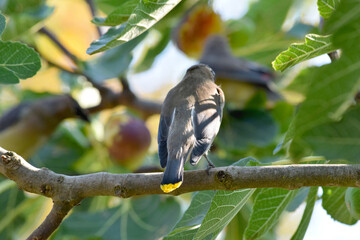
170,187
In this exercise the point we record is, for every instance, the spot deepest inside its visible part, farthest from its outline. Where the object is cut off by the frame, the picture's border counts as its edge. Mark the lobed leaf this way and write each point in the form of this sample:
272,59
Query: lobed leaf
224,206
119,15
337,140
144,16
315,45
333,201
211,207
269,205
327,7
17,61
242,128
112,63
189,224
331,89
21,22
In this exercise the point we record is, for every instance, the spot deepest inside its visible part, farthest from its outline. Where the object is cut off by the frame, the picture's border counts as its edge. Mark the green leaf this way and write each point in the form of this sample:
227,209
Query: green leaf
333,86
315,45
225,205
268,16
352,199
301,82
119,15
107,6
265,38
305,220
189,224
10,7
269,205
298,199
62,150
144,16
153,51
17,61
2,23
141,218
113,63
337,140
333,201
196,212
6,184
21,22
242,128
327,7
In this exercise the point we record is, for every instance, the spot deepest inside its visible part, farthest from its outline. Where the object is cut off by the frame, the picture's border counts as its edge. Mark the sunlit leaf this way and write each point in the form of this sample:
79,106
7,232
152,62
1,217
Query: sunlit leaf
144,16
225,205
211,207
193,216
119,15
327,7
269,205
315,45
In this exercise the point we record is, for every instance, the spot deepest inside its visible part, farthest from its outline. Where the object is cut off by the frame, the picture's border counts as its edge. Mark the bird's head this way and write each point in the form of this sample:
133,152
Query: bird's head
200,71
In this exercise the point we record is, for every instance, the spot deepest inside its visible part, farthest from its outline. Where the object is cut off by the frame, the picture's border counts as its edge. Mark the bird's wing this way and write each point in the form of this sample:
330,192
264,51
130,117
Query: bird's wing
164,126
206,120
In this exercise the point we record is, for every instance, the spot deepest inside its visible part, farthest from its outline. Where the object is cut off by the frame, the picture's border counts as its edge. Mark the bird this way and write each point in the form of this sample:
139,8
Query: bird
239,78
189,121
26,127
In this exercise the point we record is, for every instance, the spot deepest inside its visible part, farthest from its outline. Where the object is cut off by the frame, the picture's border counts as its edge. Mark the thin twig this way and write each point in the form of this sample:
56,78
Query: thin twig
93,14
52,36
109,98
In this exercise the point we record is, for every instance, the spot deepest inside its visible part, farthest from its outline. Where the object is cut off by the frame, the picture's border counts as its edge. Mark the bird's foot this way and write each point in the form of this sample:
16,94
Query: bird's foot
210,165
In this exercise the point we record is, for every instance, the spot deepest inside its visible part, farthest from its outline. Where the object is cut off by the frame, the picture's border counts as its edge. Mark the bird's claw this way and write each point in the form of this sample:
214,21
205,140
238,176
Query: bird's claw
210,165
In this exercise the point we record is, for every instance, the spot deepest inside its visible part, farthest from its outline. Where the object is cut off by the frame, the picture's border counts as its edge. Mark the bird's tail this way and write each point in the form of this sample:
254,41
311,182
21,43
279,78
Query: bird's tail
173,175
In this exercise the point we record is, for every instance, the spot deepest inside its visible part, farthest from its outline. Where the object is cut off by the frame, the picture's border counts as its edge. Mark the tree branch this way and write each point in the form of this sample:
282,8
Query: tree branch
52,221
110,99
68,191
61,187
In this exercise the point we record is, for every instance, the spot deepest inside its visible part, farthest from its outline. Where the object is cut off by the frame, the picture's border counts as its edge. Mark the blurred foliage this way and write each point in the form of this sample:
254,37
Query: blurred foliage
136,34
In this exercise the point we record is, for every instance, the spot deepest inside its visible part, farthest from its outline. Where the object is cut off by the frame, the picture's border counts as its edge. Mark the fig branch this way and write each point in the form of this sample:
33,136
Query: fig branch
109,98
67,191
